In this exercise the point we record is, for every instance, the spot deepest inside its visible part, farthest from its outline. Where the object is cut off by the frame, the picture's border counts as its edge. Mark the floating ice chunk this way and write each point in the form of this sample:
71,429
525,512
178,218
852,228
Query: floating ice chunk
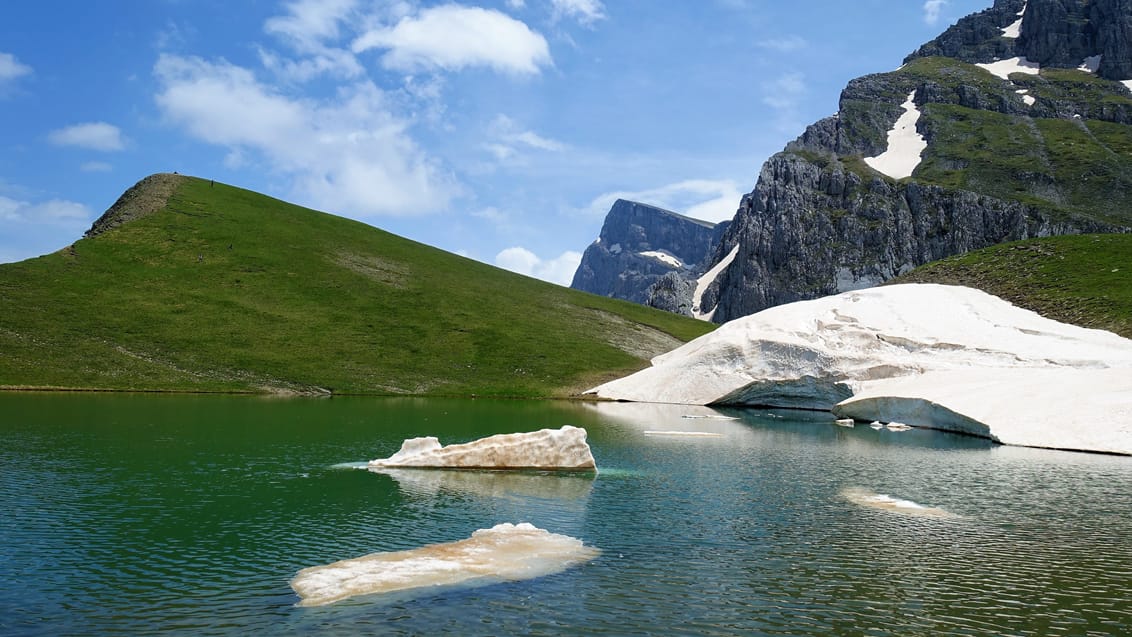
884,502
547,449
664,257
1003,68
706,280
845,422
1090,64
505,552
905,144
1014,29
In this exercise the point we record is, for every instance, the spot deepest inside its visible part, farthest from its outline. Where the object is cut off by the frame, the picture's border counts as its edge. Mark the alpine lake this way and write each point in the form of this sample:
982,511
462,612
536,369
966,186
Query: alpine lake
147,514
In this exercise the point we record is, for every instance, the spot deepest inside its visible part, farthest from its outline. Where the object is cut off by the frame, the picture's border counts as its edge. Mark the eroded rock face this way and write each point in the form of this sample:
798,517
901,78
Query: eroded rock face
821,221
547,449
639,245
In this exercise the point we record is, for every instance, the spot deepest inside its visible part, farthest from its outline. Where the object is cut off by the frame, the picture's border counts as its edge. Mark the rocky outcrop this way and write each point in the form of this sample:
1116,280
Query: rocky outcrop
141,200
809,230
1053,33
639,244
1009,155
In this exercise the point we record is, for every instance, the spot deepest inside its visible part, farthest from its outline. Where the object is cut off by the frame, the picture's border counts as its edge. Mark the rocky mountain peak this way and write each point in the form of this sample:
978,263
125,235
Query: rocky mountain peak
639,244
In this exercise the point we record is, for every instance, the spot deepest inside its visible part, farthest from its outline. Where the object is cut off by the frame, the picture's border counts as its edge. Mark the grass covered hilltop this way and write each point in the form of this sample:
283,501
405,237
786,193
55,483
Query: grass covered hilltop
185,285
1085,280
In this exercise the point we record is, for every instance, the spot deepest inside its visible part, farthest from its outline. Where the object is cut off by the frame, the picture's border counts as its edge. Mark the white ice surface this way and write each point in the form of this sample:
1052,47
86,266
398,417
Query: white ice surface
663,257
885,502
503,552
564,449
1127,84
857,339
1078,409
706,280
1003,68
905,144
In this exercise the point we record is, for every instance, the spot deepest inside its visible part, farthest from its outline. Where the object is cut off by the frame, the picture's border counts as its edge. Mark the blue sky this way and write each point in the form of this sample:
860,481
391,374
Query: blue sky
501,130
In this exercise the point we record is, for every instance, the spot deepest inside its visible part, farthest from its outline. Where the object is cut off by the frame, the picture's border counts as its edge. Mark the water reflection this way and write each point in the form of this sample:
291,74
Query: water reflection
495,484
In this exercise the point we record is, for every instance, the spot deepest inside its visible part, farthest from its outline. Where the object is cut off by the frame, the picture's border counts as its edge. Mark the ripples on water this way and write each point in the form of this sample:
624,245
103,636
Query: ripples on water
162,523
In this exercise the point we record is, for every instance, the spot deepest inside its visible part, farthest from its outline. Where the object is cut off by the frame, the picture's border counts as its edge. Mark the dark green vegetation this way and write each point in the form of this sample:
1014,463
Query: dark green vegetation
1082,279
1068,155
224,289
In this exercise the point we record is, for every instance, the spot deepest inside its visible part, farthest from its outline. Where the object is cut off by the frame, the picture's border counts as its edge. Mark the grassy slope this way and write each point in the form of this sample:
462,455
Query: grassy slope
1063,166
230,290
1085,280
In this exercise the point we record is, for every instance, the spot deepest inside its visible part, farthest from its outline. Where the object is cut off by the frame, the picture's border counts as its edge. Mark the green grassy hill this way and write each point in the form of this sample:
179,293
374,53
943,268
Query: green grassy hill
1082,279
223,289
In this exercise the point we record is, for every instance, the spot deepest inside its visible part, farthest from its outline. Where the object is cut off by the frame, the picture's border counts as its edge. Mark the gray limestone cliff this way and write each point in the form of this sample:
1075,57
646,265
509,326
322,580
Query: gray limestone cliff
640,244
1007,156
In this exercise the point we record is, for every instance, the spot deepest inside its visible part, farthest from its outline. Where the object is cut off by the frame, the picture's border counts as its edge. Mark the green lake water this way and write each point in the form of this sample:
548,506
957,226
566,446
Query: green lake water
135,514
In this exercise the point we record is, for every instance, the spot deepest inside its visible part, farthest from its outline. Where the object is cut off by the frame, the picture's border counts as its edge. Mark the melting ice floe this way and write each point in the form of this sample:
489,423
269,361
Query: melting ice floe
905,144
866,498
546,449
505,552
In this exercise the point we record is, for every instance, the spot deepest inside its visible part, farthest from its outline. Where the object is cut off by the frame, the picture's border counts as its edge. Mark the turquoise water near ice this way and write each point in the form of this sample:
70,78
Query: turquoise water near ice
190,514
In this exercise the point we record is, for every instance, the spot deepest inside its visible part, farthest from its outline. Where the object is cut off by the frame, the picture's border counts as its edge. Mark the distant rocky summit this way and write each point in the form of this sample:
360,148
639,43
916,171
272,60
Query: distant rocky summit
1014,123
642,246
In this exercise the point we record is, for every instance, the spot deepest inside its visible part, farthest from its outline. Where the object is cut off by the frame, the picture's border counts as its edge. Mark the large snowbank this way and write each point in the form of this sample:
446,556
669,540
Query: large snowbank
1003,68
813,354
905,144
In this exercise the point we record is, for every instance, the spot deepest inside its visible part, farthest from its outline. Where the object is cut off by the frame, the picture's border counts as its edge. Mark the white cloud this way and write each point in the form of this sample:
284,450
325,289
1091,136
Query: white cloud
932,9
347,154
96,167
54,211
309,26
786,44
509,138
32,229
711,200
92,135
586,12
783,94
516,4
559,270
311,22
452,37
11,68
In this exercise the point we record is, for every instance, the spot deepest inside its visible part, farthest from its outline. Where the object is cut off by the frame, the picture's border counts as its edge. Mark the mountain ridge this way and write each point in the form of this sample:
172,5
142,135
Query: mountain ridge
1009,156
